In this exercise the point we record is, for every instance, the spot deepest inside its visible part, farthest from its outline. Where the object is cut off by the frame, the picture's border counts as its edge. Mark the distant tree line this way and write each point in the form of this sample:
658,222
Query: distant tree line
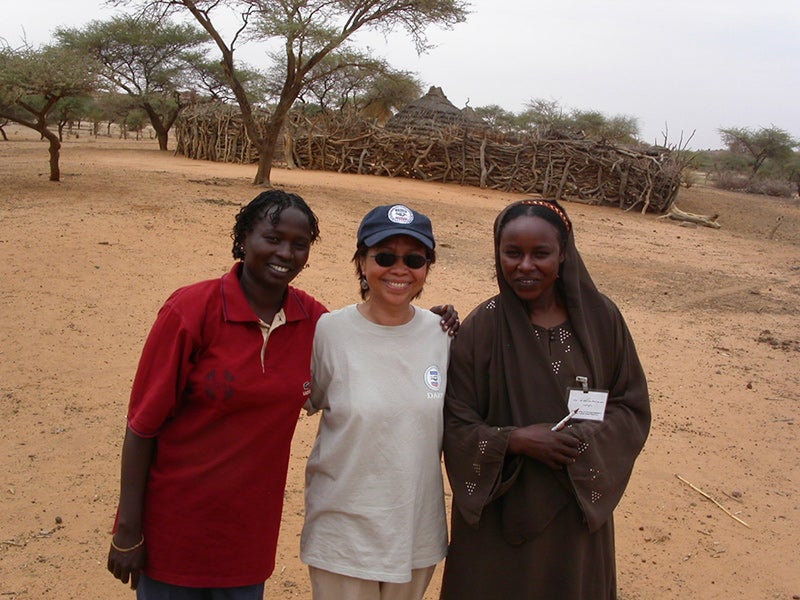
758,161
545,116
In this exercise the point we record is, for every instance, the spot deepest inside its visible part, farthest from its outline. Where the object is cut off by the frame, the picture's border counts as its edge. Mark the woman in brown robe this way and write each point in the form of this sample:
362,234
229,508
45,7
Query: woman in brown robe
532,507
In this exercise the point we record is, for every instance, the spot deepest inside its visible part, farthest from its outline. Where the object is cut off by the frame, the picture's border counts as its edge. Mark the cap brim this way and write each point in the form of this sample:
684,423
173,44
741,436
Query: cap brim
377,238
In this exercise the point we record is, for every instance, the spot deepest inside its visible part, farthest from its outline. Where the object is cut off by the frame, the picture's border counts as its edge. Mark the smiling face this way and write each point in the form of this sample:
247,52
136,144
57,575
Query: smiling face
274,254
396,285
530,257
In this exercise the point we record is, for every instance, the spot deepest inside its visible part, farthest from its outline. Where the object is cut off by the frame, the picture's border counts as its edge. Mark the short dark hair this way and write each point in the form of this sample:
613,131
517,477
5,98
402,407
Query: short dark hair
270,205
361,251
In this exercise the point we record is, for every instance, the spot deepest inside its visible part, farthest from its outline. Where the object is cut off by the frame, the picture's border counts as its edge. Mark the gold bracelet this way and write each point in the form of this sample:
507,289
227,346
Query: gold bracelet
132,548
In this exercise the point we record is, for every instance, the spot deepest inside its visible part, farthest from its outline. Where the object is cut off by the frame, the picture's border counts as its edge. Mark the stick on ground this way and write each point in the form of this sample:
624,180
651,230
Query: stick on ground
702,493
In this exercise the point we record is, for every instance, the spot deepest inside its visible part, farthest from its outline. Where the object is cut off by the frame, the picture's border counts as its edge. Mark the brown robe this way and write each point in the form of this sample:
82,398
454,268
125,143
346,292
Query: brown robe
520,529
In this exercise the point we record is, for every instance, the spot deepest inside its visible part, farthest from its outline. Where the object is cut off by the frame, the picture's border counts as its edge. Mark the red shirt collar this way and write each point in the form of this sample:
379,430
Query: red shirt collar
235,306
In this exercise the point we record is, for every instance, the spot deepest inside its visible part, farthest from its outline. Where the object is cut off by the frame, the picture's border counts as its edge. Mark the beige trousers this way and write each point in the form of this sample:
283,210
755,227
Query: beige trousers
332,586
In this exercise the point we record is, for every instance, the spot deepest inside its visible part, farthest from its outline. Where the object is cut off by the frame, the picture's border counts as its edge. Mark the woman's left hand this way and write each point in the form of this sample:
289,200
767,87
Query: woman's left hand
449,314
556,449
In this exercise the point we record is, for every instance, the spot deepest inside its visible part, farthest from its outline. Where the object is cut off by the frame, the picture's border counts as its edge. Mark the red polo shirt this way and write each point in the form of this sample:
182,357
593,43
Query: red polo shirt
224,425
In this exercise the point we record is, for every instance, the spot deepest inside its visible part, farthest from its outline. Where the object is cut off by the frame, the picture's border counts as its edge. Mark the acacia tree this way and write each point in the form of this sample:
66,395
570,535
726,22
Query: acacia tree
387,93
213,85
593,123
545,113
759,145
69,110
308,30
147,58
111,108
498,118
33,81
541,112
354,81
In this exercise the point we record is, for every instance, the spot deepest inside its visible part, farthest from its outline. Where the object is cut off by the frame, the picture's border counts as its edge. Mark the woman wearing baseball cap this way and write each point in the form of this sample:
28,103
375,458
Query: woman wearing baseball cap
375,522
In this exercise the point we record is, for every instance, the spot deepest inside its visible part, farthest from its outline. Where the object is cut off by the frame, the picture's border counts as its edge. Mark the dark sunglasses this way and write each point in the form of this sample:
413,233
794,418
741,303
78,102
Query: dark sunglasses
412,261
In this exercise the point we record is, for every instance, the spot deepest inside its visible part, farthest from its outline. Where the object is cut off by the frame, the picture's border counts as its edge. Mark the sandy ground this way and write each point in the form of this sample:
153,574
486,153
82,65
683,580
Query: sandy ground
88,261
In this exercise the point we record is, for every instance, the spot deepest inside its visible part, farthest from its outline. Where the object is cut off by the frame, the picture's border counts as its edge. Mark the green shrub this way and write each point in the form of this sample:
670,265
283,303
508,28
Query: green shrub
771,187
739,182
731,181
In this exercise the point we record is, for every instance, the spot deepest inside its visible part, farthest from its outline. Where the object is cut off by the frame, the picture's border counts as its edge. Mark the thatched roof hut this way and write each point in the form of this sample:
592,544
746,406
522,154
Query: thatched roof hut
430,114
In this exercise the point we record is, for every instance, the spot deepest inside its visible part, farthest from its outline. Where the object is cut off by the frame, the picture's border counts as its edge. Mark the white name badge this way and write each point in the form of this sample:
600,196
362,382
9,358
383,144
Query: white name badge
591,404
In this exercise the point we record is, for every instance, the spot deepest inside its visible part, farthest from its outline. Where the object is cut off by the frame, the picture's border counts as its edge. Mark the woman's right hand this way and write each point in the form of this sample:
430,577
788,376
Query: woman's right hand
555,449
126,560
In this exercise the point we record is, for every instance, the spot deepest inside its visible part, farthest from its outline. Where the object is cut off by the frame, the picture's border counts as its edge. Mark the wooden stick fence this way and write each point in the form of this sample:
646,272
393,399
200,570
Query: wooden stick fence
581,170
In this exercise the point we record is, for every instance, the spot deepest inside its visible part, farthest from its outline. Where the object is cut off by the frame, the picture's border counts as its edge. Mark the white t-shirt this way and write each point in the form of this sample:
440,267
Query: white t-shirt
374,493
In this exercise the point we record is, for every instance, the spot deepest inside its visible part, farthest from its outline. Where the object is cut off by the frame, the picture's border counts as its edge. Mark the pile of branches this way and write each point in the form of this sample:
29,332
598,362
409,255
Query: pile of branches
561,167
215,132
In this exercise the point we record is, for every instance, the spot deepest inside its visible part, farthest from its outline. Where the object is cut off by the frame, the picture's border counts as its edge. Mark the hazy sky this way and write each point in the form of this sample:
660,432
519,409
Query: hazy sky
689,65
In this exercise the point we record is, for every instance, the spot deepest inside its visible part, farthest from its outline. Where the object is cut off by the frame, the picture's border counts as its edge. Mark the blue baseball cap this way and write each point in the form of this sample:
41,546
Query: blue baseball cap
396,219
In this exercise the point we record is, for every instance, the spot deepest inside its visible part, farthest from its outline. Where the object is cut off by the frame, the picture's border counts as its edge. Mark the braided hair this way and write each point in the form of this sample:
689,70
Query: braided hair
269,205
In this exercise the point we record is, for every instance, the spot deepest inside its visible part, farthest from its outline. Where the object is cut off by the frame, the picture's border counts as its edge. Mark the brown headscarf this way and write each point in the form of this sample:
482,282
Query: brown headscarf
499,379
